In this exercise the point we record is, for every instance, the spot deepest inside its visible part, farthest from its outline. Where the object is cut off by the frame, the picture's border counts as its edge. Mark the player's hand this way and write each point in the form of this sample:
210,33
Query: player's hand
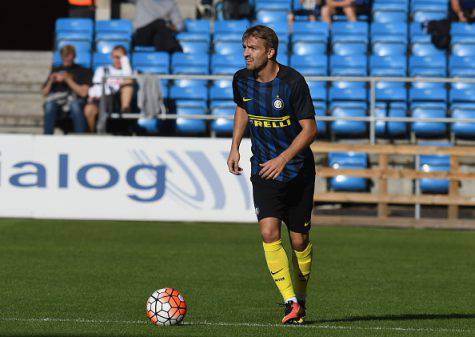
60,77
233,162
273,168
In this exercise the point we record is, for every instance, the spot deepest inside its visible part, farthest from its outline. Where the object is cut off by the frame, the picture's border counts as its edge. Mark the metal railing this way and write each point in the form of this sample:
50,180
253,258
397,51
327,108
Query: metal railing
371,118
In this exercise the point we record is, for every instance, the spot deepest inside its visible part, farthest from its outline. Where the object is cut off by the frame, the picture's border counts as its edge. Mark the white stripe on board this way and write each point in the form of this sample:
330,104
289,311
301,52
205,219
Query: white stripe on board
259,325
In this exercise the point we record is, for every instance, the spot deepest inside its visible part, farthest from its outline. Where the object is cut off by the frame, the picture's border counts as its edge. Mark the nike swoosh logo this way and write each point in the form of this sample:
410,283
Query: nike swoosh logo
306,224
246,99
273,273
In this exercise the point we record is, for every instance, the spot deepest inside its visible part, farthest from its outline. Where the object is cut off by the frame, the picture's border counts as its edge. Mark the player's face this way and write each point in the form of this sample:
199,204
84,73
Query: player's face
255,53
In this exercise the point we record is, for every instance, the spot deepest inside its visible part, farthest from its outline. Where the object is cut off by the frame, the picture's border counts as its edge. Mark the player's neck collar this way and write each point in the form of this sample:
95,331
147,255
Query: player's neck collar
273,68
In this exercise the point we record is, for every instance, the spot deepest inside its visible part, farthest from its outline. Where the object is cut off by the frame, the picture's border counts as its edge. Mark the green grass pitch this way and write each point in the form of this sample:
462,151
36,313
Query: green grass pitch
92,278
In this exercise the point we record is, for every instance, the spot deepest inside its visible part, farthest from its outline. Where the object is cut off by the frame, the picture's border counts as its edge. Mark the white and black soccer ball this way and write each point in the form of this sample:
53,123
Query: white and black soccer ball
166,306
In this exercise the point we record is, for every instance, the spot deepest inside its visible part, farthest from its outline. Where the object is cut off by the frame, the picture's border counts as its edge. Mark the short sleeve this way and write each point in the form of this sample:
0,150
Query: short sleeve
236,95
301,101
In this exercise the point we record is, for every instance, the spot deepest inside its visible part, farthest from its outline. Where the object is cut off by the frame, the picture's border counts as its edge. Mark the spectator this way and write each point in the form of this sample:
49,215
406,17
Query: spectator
118,91
156,23
332,7
462,10
65,91
307,8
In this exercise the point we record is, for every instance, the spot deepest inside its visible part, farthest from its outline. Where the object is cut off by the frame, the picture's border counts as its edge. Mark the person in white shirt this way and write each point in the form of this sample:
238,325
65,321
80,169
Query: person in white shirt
118,90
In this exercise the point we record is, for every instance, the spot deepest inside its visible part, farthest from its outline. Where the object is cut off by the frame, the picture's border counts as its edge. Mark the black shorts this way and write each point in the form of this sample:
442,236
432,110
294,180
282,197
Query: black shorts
291,201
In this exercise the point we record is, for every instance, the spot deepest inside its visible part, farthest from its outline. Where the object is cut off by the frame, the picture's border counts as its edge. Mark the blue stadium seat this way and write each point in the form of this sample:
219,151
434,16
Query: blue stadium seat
195,47
187,126
271,16
434,163
183,83
318,90
79,45
308,48
281,28
106,46
425,49
462,33
463,129
74,29
190,96
347,49
391,91
82,58
432,65
283,58
429,110
417,35
222,126
389,48
189,64
394,65
391,129
193,37
348,84
461,66
228,47
461,92
463,50
198,26
389,32
310,31
100,59
156,62
355,33
118,29
230,30
428,10
348,160
347,94
427,94
389,12
226,64
348,128
354,65
221,96
309,65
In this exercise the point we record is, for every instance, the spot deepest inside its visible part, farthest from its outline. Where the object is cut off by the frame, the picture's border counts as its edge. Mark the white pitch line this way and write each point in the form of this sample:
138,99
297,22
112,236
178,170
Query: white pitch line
258,325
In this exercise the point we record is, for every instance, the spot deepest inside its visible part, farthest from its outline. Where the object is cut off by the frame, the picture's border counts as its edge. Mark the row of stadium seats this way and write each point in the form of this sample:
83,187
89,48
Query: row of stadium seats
352,160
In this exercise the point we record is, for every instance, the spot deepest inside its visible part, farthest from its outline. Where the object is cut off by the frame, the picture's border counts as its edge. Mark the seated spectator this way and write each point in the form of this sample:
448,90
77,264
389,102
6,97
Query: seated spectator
308,8
156,23
66,91
118,91
462,10
332,7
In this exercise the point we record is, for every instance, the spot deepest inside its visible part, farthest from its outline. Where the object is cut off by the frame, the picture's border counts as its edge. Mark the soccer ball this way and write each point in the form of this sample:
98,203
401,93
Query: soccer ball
166,307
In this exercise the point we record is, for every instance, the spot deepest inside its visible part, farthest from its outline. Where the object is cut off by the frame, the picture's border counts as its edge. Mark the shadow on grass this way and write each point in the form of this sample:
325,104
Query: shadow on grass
401,317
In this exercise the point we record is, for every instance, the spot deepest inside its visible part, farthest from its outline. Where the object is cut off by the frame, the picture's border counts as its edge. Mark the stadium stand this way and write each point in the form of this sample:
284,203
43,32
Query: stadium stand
347,160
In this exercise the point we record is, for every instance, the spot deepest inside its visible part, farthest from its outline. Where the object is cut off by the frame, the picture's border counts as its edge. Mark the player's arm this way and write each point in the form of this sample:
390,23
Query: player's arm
79,89
240,123
272,168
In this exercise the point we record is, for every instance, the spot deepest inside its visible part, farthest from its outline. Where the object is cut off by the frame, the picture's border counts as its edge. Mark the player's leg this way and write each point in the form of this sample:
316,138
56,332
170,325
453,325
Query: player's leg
300,199
276,257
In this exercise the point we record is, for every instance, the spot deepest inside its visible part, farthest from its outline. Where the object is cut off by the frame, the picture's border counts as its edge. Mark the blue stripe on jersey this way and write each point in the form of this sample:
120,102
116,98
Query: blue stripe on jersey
257,153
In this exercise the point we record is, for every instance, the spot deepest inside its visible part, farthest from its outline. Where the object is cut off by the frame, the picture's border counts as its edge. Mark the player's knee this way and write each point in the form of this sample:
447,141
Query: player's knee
270,235
299,242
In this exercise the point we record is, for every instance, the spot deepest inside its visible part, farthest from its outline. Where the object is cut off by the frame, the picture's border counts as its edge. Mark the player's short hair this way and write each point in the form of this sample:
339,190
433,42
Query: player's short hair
121,48
265,33
67,50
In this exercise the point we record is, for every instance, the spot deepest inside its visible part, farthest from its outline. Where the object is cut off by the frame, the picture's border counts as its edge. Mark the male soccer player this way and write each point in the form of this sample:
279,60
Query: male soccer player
274,100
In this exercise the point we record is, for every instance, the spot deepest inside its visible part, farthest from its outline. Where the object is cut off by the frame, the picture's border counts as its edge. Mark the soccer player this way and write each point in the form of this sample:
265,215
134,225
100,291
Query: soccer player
274,100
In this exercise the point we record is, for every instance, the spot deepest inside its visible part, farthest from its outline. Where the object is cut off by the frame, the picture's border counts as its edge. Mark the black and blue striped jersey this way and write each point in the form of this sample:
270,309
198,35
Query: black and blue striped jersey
274,109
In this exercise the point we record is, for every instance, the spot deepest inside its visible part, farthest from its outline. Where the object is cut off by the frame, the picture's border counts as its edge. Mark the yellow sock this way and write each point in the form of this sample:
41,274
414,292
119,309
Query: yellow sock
278,264
302,262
